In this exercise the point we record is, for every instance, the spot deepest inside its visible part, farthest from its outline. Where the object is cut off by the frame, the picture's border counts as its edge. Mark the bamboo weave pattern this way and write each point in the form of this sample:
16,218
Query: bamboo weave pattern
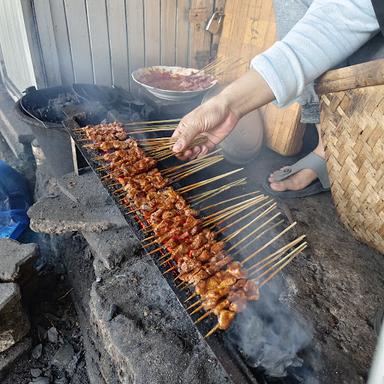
352,125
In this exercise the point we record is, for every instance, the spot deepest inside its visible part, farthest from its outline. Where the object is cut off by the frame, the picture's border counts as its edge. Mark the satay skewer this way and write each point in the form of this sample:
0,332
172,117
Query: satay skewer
199,198
254,254
133,123
218,223
267,260
212,331
199,184
286,259
258,217
257,229
258,236
198,160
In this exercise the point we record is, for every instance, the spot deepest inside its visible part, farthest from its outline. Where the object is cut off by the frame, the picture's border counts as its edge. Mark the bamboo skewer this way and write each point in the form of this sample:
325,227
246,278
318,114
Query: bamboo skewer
193,186
288,258
212,331
261,234
237,232
229,200
201,318
198,309
182,175
145,130
255,199
242,218
194,161
190,297
194,304
170,269
133,123
254,254
257,229
163,256
198,199
220,217
273,256
294,254
263,270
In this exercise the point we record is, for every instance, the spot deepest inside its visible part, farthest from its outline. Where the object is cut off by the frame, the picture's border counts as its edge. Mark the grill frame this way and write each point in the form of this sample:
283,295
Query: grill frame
227,354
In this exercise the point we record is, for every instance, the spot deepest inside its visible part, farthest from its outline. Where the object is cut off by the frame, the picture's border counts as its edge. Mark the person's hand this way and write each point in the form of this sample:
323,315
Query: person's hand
213,119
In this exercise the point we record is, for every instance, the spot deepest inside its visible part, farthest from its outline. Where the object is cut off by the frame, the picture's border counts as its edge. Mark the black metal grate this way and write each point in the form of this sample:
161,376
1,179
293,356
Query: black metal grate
226,353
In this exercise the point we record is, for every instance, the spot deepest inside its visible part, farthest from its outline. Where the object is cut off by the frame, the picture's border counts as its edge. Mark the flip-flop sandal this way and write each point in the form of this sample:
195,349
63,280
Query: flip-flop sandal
311,161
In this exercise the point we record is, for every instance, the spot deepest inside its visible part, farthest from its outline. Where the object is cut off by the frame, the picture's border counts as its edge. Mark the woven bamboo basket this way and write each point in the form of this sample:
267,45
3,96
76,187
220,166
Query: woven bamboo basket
352,125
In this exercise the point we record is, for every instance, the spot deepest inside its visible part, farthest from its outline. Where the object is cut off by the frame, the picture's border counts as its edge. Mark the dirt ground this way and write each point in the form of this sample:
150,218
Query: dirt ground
340,290
340,283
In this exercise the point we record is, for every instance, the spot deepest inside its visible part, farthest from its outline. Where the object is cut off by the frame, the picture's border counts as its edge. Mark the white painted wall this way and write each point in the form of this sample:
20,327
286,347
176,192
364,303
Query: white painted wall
15,49
103,41
53,42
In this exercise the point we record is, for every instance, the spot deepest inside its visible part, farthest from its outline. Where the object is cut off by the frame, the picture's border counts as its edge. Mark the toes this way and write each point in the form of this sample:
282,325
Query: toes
278,187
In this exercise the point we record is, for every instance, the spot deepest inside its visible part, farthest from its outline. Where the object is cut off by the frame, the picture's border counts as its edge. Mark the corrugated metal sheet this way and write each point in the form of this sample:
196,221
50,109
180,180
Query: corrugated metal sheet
17,62
103,41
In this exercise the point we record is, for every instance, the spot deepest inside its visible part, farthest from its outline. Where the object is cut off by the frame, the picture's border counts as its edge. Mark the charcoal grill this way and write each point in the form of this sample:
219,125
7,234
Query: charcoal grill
227,353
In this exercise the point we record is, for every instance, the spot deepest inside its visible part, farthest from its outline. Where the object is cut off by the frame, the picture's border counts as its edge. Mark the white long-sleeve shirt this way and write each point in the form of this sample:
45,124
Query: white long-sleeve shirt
329,32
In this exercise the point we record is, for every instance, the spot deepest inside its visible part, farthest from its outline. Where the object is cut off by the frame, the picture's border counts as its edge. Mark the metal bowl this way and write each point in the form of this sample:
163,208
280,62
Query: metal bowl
166,94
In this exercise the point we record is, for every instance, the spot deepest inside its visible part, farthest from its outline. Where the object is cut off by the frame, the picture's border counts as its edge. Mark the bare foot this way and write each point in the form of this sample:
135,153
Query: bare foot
298,181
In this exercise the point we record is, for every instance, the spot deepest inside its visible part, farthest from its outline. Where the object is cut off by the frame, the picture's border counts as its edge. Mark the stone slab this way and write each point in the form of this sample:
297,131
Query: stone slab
11,355
148,336
78,203
112,246
14,324
16,260
17,134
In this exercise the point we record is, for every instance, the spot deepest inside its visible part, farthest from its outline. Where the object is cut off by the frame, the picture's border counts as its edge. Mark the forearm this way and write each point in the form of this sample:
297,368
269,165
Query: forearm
330,32
247,93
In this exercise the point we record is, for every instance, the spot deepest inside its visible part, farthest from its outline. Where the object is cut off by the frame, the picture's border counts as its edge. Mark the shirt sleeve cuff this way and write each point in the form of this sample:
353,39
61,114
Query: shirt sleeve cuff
278,76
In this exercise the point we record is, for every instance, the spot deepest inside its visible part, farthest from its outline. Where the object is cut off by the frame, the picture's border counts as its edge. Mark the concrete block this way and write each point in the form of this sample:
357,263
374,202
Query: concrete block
112,246
17,134
145,335
16,260
12,354
14,324
79,203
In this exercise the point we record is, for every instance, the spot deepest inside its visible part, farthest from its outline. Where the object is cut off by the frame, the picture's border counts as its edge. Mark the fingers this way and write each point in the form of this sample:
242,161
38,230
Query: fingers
186,131
189,154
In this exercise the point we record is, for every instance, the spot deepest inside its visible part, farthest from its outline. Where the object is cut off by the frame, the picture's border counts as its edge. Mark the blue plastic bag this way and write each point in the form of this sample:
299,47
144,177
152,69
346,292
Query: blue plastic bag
14,202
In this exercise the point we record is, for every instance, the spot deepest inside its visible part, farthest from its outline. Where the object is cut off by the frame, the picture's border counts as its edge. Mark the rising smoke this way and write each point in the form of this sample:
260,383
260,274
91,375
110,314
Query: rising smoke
271,333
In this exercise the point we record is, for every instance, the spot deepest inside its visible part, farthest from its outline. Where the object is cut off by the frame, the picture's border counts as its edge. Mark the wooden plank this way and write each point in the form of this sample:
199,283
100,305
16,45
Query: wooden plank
47,41
168,32
62,41
182,33
118,42
135,25
219,7
99,39
152,32
200,39
79,40
248,29
355,76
